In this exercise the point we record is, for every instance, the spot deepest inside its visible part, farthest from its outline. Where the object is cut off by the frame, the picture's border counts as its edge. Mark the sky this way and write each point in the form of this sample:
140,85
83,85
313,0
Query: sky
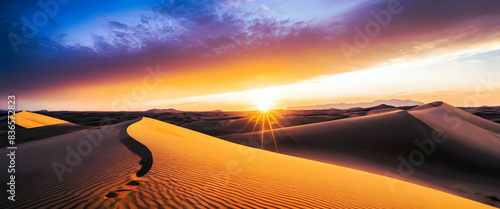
237,54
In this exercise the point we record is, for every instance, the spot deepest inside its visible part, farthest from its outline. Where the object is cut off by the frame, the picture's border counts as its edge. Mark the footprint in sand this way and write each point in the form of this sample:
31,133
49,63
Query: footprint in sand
124,190
111,195
132,183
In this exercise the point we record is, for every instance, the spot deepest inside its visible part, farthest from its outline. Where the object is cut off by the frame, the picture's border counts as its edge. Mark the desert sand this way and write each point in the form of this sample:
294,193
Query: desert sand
466,163
193,170
146,163
93,163
33,126
32,120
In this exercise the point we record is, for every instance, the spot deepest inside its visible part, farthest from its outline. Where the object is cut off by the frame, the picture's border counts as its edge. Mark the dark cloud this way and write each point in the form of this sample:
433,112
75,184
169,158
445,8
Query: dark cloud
117,25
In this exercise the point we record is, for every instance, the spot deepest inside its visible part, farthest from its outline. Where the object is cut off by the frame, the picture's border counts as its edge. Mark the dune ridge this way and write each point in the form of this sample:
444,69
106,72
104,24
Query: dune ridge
466,163
102,179
453,116
32,120
193,170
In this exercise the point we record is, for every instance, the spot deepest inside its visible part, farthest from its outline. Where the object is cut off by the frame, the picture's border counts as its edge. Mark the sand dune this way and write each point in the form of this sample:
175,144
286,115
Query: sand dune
32,120
42,132
442,112
33,126
193,170
467,163
99,163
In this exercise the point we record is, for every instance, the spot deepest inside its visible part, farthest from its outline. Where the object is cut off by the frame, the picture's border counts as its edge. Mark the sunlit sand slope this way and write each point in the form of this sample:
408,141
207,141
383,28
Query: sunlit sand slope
32,120
96,169
434,145
193,170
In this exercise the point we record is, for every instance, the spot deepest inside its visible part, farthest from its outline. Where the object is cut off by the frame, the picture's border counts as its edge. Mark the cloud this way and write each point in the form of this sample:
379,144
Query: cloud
117,25
233,2
264,7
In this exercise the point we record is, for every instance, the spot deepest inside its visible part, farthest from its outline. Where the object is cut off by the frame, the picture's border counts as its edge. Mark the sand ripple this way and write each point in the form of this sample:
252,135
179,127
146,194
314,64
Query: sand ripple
193,170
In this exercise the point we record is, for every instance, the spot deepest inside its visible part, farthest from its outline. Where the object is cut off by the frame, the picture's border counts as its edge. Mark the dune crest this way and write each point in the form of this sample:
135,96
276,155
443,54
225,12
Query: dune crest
193,170
32,120
460,150
445,113
100,167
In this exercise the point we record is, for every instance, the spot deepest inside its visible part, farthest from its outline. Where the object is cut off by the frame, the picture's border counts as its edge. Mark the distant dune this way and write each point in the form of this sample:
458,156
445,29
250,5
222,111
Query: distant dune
466,163
33,120
193,170
33,126
170,110
392,102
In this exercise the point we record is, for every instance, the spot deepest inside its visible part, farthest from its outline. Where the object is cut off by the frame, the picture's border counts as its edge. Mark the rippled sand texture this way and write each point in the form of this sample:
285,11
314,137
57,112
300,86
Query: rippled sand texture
105,169
461,150
193,170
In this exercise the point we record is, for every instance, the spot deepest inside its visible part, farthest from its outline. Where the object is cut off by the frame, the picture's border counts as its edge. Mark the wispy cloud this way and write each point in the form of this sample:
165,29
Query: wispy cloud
264,7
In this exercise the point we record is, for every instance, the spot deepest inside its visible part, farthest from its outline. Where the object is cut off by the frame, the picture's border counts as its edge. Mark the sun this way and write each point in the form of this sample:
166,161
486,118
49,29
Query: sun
265,103
266,119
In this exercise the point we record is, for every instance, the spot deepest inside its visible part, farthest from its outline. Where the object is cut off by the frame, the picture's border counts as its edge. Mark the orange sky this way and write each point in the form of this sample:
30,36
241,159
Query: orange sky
202,85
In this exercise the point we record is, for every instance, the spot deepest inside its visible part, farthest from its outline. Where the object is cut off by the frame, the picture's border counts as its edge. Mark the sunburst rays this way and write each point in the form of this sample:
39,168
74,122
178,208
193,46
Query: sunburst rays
265,119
